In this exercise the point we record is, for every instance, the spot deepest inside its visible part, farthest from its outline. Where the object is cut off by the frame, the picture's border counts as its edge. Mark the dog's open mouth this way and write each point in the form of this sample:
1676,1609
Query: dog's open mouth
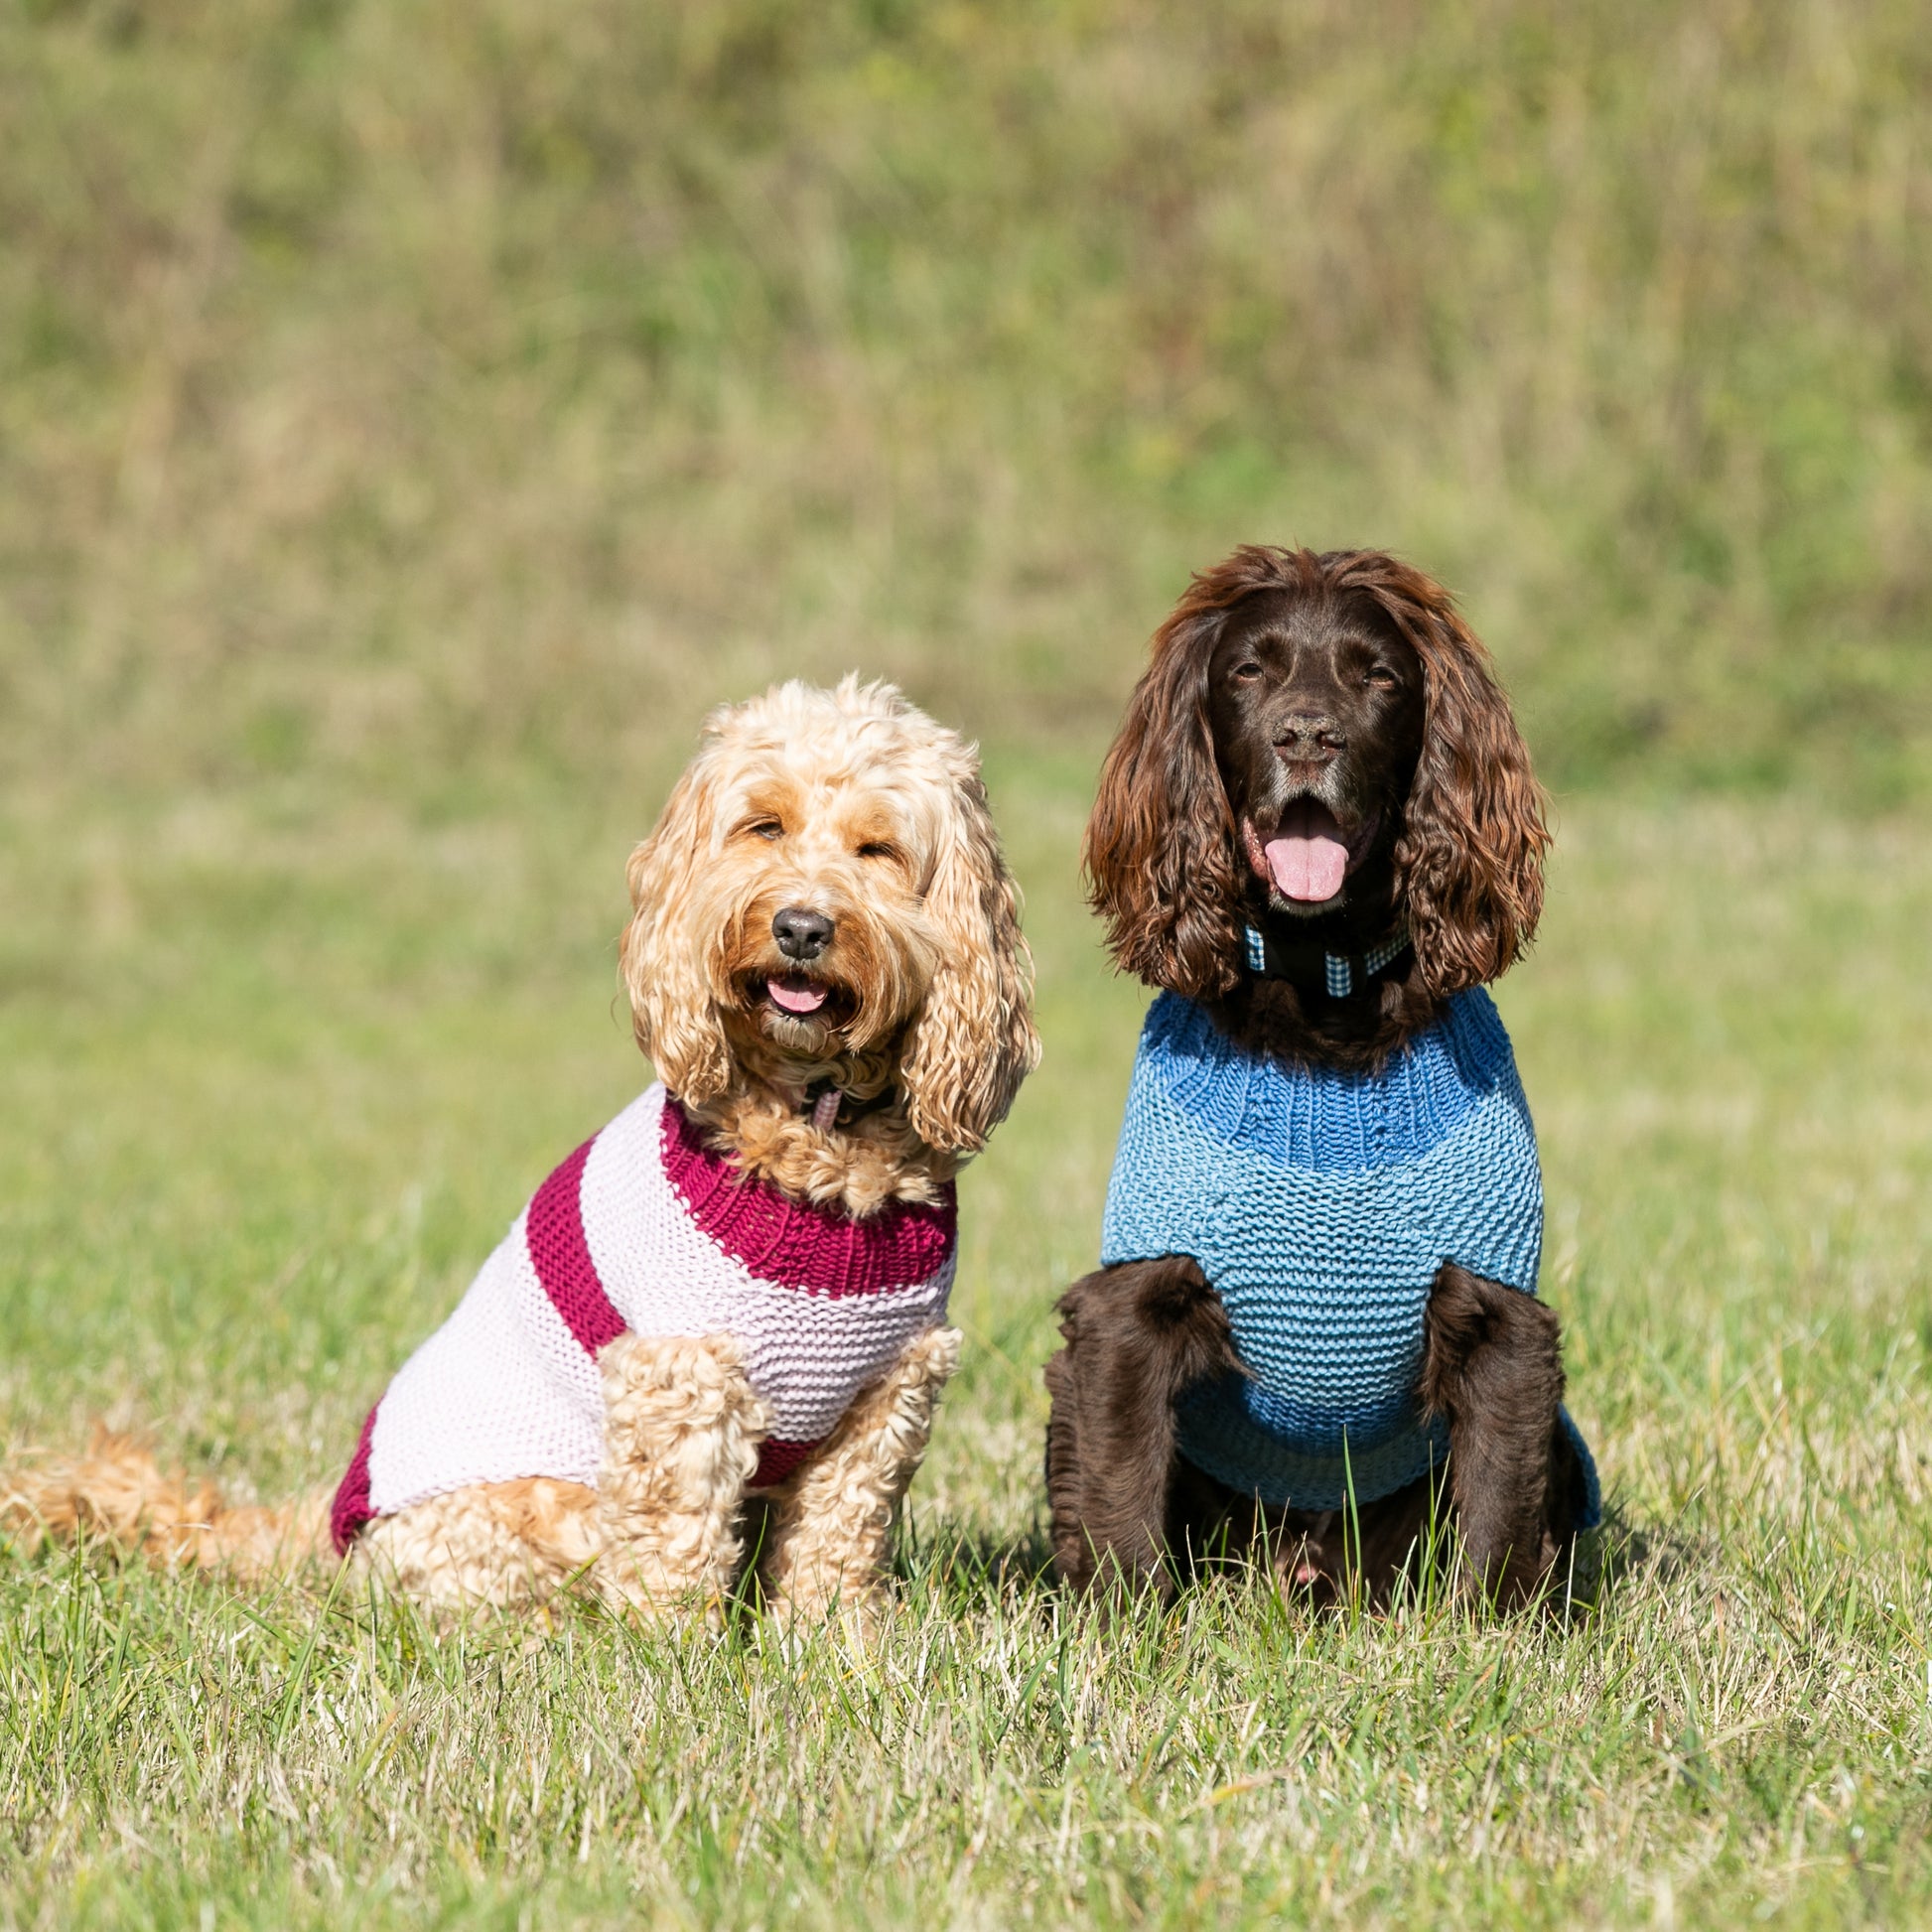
797,996
1307,858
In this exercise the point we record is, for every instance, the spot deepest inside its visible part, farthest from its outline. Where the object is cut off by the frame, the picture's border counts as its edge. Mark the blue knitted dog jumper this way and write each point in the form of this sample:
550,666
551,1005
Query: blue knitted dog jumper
1320,1204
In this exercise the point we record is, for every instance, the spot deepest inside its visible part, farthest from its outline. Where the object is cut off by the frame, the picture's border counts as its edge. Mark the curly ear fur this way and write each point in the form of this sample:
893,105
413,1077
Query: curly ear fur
1470,862
972,1042
672,1011
1163,864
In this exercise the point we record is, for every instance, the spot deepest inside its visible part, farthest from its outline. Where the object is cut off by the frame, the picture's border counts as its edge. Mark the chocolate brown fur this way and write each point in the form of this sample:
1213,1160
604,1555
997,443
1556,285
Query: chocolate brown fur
1348,679
1126,1509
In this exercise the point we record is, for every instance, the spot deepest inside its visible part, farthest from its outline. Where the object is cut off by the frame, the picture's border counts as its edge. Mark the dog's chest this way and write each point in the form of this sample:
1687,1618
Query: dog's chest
644,1231
823,1304
1320,1205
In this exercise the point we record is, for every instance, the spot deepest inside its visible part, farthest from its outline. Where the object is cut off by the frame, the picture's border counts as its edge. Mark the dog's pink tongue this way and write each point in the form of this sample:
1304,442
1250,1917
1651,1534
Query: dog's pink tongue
1307,864
795,996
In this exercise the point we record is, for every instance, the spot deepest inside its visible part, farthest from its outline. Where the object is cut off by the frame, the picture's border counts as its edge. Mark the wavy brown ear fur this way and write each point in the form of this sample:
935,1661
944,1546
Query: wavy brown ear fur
1469,863
1161,864
973,1041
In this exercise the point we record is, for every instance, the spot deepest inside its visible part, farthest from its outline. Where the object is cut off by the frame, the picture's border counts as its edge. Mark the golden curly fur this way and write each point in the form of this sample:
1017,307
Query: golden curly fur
856,807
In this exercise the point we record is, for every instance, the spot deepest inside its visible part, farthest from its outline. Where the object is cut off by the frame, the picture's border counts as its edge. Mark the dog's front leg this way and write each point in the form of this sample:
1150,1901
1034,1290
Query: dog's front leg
1139,1336
828,1540
1494,1366
681,1433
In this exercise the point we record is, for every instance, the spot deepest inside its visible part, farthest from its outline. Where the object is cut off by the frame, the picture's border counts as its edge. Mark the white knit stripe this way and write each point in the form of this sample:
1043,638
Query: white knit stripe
808,1355
565,1359
635,1226
482,1400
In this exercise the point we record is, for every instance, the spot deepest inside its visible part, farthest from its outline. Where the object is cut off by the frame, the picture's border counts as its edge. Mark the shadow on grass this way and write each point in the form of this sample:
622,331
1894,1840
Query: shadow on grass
956,1563
1626,1553
957,1560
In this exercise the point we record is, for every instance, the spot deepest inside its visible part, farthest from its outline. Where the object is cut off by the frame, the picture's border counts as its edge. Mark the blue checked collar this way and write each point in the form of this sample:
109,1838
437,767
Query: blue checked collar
1340,975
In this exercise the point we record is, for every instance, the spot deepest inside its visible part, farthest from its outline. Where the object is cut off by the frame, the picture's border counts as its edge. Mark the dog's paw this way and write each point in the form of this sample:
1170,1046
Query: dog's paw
643,1593
679,1383
933,1357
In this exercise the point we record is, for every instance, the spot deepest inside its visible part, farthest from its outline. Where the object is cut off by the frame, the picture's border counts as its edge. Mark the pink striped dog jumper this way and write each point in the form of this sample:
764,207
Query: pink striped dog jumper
644,1228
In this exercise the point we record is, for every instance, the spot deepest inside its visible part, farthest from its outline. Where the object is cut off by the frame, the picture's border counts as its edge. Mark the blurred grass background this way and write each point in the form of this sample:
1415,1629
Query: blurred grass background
431,398
412,416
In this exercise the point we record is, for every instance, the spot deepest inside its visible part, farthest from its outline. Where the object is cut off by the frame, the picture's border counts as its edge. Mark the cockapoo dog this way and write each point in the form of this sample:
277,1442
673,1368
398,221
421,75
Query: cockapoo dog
738,1287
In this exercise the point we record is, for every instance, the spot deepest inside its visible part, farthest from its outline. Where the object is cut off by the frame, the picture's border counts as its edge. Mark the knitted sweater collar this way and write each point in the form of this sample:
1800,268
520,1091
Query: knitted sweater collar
1323,1117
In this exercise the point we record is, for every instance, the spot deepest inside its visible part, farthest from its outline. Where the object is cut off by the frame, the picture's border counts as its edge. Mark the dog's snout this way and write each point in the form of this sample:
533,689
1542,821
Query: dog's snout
801,933
1309,736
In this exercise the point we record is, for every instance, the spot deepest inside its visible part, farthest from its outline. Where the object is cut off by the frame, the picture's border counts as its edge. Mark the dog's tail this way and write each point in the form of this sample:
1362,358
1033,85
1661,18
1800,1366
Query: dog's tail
117,1493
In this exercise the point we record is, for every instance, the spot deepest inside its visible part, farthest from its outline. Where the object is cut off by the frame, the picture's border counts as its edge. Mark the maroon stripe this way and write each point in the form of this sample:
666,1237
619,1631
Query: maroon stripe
350,1509
799,1244
777,1461
554,1229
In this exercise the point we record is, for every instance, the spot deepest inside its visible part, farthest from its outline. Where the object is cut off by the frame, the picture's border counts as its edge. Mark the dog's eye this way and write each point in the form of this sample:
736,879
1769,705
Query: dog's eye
765,828
1246,671
1380,676
878,849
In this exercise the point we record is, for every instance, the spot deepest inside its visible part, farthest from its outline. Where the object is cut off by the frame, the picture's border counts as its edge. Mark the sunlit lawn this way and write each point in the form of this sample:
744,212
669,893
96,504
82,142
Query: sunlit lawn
276,1083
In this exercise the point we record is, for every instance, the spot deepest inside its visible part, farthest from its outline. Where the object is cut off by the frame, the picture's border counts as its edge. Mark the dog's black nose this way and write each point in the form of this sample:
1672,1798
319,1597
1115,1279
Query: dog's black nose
801,933
1307,737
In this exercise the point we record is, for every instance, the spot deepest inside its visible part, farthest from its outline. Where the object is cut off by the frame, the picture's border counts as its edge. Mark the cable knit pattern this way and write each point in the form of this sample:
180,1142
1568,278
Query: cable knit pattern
644,1228
1320,1205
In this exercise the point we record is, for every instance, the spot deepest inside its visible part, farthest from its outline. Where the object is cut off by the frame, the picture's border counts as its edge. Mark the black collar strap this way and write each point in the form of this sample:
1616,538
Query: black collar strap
1313,968
831,1106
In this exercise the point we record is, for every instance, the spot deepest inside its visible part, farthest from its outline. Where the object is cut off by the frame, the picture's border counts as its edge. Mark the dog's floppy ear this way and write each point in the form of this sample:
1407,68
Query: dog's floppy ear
1163,864
672,1009
972,1041
1469,863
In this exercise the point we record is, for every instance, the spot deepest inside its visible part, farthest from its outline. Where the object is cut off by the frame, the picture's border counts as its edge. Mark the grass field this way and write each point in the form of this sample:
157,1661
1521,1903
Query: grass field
264,1118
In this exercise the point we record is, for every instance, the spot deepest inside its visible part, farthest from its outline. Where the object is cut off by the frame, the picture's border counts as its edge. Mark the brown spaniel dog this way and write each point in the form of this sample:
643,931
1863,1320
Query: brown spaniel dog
1317,828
